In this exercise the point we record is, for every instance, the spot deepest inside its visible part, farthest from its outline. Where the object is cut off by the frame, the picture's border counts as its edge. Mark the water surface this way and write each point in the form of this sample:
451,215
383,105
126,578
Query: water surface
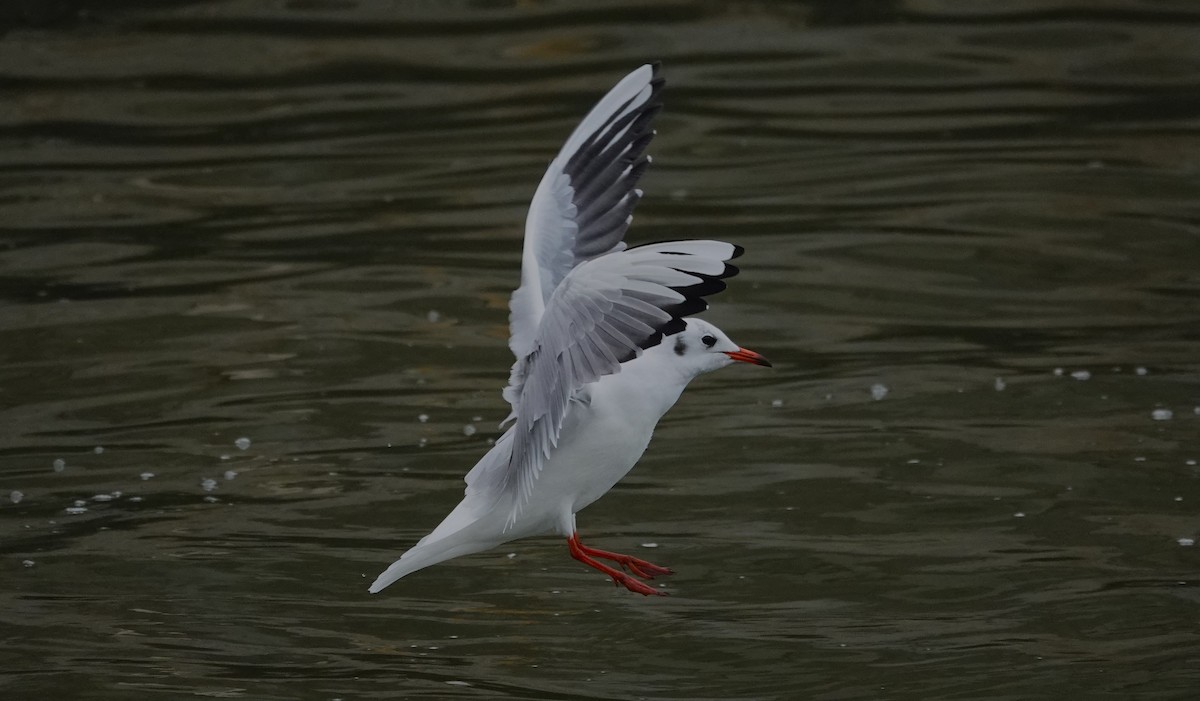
298,223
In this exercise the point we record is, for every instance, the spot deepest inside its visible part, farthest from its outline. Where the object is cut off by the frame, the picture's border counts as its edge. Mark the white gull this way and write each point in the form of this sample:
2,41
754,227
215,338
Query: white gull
602,343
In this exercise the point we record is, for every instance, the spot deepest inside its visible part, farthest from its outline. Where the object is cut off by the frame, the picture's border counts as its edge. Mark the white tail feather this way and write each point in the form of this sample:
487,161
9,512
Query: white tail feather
459,533
421,556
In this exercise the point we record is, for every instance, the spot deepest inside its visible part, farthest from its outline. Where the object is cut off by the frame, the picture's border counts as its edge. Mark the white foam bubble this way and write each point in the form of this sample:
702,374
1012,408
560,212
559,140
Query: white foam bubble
469,430
59,464
146,475
878,391
1162,414
208,484
16,496
1000,384
1081,375
242,443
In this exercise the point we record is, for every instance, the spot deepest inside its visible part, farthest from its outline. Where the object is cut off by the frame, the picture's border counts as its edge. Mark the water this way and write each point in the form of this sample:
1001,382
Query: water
275,241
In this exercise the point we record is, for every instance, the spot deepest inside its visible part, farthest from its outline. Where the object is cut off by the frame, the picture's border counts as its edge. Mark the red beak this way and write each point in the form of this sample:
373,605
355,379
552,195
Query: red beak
748,356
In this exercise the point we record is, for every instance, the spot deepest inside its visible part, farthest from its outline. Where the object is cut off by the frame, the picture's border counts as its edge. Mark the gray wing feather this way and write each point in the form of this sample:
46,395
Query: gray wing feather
604,312
585,202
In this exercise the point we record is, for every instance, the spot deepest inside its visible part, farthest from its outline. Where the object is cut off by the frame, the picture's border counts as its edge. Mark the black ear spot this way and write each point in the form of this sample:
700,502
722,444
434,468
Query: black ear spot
680,347
708,340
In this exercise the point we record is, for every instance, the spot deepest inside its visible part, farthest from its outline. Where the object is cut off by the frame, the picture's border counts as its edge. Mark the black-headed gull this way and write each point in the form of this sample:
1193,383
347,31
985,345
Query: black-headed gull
602,345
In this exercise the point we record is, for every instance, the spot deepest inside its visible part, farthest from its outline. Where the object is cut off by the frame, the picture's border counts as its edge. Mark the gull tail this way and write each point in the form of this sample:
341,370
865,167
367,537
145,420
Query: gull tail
424,554
469,528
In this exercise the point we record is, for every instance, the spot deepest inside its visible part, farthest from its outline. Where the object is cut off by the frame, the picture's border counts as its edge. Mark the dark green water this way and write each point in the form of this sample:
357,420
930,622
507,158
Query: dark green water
299,222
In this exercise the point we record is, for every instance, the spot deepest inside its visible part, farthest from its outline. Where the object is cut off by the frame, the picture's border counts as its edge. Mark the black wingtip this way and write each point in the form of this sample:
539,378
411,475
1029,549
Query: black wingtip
708,285
688,307
737,251
672,327
656,77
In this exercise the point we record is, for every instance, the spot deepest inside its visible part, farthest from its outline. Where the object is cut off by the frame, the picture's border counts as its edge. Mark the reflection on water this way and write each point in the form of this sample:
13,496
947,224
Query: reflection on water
298,224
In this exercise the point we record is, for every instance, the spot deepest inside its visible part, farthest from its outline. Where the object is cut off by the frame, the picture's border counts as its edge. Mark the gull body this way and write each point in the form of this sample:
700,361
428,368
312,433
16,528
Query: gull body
602,346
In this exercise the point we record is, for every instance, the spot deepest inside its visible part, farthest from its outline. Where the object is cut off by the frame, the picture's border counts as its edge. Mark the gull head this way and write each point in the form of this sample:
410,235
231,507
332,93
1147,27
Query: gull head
701,347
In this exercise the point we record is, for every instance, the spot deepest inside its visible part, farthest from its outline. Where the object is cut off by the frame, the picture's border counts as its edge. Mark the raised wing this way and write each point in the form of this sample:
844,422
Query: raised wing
585,201
604,312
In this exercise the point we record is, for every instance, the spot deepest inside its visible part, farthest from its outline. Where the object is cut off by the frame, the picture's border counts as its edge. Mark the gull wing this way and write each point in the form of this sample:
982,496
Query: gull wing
584,203
604,312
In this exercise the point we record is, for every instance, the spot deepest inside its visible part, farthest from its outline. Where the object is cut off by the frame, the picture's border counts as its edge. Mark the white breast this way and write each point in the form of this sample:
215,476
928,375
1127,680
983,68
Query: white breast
603,437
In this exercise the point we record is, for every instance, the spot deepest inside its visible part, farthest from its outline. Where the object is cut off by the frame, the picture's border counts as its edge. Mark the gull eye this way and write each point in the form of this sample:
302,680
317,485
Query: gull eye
708,340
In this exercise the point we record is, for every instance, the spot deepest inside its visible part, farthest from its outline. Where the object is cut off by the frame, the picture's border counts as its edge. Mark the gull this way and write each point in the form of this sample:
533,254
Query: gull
603,343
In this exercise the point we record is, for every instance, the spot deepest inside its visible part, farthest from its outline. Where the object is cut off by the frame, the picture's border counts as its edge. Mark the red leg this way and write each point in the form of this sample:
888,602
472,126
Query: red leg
643,569
583,554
